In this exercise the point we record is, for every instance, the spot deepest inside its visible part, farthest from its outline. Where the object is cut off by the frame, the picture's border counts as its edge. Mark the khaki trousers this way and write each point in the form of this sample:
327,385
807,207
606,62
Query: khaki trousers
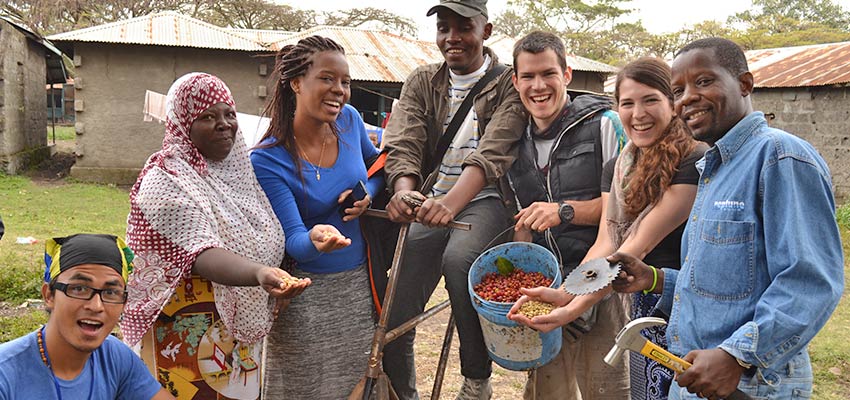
579,372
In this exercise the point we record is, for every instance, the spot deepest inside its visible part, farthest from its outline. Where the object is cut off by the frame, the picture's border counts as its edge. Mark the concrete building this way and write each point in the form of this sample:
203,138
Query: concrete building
27,64
805,90
117,62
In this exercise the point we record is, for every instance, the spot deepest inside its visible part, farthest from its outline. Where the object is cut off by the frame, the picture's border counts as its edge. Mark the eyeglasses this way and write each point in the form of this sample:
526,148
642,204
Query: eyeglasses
83,292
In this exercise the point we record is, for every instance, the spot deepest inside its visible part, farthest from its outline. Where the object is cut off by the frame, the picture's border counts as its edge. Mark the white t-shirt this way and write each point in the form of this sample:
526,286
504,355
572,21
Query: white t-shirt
466,140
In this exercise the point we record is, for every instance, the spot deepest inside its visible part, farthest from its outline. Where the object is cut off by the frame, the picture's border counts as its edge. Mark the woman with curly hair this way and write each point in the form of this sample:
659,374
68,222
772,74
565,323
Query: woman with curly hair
648,190
652,190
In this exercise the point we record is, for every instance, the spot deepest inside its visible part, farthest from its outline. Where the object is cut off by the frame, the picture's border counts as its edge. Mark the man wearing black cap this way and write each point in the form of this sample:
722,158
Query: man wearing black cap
454,177
74,355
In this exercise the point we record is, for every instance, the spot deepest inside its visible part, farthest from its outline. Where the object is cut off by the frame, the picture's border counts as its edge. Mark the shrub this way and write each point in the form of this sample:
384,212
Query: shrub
842,215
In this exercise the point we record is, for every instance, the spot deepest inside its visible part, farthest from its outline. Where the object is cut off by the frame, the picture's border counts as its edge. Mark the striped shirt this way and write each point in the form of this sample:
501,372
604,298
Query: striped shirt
466,140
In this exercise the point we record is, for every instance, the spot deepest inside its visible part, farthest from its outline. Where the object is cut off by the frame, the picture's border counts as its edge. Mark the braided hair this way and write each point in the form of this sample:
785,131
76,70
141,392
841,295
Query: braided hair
291,62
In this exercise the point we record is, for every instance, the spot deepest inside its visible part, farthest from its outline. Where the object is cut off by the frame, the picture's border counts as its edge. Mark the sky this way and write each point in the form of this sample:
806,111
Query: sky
657,15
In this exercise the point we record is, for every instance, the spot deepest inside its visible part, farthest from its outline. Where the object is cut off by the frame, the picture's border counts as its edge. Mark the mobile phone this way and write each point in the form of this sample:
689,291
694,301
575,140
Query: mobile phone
358,192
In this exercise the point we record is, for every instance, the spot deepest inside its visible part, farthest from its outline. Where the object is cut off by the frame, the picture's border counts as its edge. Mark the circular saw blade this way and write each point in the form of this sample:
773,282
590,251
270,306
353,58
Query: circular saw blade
591,276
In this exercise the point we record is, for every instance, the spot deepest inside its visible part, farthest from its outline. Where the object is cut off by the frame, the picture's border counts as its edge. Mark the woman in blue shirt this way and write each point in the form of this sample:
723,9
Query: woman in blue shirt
313,154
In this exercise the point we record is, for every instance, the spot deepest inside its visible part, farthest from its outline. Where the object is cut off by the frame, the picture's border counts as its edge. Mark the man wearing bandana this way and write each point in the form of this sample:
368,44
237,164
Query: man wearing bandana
74,356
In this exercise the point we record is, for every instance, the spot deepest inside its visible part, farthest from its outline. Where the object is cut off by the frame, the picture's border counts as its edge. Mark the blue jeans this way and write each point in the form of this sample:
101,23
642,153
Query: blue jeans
429,254
795,382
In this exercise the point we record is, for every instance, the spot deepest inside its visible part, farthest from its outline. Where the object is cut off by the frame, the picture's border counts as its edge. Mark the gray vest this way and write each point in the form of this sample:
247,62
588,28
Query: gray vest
574,173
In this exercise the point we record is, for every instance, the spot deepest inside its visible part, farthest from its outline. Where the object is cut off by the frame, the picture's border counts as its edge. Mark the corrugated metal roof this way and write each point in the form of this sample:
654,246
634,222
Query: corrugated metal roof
504,48
263,36
167,28
374,55
56,71
815,65
386,57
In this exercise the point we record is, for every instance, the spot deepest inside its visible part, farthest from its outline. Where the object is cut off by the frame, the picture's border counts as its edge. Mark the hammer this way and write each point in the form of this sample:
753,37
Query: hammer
630,338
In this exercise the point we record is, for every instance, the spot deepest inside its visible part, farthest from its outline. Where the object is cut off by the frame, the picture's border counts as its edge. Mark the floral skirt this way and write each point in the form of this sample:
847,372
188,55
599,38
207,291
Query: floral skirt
193,354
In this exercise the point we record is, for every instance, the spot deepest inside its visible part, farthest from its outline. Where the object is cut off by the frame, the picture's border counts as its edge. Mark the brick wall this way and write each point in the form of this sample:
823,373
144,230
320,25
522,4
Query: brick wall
821,116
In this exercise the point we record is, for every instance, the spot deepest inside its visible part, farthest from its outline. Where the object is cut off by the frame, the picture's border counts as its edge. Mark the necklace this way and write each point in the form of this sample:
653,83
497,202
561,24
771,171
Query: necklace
45,358
321,157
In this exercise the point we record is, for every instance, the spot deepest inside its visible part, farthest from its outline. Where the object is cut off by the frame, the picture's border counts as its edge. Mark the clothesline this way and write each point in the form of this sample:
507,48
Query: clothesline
375,93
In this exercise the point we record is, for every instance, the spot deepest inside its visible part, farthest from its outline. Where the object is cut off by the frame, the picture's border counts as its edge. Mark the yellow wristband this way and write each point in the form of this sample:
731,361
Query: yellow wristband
654,280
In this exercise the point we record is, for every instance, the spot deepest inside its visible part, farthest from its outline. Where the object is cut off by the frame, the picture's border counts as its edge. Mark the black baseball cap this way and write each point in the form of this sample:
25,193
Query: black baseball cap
465,8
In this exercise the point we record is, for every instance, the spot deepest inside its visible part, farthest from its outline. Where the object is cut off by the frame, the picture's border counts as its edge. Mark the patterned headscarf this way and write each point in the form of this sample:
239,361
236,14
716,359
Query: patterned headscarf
183,204
64,253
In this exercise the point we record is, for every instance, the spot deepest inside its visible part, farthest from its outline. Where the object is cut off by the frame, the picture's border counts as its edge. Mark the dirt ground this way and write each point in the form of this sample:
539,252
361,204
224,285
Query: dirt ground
58,166
9,310
429,340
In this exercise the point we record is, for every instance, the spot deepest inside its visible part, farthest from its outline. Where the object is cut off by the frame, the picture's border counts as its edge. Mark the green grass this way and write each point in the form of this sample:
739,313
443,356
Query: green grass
842,215
44,212
16,326
830,349
62,133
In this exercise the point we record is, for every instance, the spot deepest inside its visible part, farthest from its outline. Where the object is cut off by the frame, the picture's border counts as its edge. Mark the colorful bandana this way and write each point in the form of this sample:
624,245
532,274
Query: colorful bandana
64,253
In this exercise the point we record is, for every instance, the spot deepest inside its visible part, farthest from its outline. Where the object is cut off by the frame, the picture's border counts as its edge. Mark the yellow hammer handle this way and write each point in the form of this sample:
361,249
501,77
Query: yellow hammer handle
664,357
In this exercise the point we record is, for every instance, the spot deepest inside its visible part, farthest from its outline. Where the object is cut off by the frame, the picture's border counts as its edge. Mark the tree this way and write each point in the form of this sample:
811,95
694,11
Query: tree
47,17
42,15
632,40
778,16
778,23
762,39
586,26
361,16
705,29
567,16
595,29
512,24
258,14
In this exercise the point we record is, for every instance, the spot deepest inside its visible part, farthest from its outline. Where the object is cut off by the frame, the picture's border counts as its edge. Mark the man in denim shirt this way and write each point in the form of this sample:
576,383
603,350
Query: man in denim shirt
763,263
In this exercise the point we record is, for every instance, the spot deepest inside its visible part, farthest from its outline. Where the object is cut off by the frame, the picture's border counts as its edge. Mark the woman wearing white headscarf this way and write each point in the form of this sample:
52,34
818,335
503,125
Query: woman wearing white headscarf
202,229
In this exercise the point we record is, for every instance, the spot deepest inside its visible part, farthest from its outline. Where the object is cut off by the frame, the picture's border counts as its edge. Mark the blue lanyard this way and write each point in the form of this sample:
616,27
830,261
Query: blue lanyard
43,345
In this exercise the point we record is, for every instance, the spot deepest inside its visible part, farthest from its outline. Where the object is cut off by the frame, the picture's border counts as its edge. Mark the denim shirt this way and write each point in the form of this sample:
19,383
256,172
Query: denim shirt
762,260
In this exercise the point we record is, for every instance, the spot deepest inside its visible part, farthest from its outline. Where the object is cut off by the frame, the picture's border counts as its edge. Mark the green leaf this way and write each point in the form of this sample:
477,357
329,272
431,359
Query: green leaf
504,266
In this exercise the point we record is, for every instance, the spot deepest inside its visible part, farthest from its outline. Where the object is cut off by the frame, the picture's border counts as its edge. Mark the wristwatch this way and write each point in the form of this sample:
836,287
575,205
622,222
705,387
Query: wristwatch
566,213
